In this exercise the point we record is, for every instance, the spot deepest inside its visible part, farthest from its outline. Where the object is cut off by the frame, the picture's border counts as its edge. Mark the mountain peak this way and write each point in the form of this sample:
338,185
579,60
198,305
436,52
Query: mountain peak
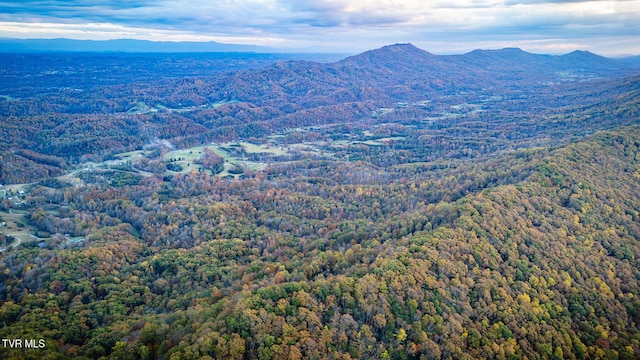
511,57
400,49
584,58
584,54
510,51
390,56
581,52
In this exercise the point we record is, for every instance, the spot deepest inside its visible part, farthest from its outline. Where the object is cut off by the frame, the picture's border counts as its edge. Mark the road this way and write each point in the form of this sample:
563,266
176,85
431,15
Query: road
15,243
19,240
71,241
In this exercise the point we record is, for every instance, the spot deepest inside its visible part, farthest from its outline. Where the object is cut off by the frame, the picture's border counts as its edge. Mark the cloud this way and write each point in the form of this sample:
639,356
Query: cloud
530,2
346,24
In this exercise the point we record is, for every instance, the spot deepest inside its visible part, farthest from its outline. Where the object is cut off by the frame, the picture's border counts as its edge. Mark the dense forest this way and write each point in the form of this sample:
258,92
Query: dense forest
89,107
404,218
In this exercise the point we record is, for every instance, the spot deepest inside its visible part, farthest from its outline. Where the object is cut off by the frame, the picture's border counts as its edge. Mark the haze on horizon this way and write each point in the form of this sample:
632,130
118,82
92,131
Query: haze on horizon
550,26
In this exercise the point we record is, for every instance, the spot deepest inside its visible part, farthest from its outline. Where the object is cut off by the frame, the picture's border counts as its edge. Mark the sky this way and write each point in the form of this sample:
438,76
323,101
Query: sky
610,28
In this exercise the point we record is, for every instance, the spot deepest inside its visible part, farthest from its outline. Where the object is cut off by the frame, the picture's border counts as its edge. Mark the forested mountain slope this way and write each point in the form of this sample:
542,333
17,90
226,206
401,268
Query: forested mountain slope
541,264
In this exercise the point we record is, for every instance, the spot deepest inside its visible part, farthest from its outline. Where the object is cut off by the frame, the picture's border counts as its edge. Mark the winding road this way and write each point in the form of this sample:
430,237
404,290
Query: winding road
15,243
18,240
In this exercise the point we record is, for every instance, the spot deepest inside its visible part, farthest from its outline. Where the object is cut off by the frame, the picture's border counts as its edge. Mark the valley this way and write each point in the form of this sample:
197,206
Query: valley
394,204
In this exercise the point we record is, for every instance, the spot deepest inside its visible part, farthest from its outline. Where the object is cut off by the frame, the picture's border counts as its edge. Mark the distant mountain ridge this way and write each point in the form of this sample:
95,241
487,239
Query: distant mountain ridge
407,57
407,50
122,45
403,72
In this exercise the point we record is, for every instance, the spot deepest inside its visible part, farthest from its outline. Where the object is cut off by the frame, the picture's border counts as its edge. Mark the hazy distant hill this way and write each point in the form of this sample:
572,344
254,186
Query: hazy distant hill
122,45
631,60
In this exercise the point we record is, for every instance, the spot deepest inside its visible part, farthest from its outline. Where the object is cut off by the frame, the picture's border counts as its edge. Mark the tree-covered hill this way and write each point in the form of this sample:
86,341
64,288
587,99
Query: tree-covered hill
541,264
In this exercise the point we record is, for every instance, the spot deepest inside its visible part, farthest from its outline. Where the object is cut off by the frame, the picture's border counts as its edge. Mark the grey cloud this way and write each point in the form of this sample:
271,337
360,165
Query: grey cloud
95,10
537,2
71,6
317,20
314,6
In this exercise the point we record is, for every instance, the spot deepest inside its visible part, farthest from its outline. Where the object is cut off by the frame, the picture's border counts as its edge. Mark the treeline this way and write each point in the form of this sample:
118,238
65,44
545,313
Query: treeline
15,169
51,160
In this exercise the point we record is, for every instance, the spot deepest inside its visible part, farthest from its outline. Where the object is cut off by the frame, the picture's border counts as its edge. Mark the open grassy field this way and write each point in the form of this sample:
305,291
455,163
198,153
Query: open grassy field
141,108
263,148
236,155
231,152
14,223
381,141
186,158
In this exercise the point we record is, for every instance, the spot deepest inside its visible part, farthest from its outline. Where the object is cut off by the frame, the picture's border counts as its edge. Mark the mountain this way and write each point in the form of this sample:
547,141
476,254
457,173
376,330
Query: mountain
121,45
406,70
513,62
403,72
393,205
511,55
393,57
632,60
510,59
396,83
590,61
